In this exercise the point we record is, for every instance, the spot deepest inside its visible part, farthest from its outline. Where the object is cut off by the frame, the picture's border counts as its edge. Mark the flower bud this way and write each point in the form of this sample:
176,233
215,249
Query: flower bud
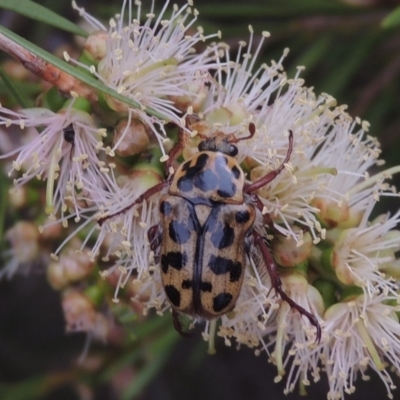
288,252
339,256
196,93
56,276
73,265
295,284
95,47
143,176
79,312
24,240
18,197
234,115
220,116
334,215
334,311
132,139
51,231
101,327
391,268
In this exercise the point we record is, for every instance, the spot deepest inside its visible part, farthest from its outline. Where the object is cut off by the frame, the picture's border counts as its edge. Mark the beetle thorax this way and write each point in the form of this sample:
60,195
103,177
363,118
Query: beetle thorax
209,177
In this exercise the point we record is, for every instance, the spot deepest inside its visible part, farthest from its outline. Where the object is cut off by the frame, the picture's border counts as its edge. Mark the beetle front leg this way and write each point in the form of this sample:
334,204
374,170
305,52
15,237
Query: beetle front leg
176,151
258,184
144,196
267,217
276,282
154,235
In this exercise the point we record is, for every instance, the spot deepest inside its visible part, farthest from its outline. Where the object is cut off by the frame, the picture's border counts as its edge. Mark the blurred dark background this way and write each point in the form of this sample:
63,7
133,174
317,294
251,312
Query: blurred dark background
349,54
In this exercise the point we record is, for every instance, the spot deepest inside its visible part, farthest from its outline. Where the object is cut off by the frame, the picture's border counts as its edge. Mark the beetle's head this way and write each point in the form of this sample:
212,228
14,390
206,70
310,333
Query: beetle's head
225,143
219,142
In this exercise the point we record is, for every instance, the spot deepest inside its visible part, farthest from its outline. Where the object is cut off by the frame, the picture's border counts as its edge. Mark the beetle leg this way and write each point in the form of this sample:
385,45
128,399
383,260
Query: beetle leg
252,131
176,151
144,196
154,235
276,283
267,217
177,324
172,156
258,184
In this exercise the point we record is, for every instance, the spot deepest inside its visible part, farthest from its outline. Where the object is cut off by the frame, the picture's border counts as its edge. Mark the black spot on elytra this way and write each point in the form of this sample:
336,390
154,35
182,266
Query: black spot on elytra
173,295
236,172
164,263
187,284
221,266
223,236
174,259
242,216
177,259
221,301
185,183
179,232
166,208
206,286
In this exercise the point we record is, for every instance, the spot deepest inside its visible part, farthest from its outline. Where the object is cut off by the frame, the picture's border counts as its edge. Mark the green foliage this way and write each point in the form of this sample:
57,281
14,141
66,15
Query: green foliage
39,13
392,20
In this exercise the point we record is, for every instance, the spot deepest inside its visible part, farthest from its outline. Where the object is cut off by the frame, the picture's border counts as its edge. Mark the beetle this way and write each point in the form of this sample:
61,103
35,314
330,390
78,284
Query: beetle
207,229
69,134
69,137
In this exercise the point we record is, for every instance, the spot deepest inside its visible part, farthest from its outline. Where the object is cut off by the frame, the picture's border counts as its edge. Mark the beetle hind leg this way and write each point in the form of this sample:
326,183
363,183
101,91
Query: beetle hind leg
276,283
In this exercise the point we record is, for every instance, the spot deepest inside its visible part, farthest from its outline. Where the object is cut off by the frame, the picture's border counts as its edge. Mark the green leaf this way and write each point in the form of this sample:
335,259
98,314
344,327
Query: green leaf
14,91
392,20
39,13
83,76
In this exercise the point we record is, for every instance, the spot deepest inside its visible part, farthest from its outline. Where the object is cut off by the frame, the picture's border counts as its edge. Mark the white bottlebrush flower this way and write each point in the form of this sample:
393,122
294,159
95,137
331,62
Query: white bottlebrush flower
360,334
154,61
23,251
359,254
353,154
240,92
64,153
293,345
